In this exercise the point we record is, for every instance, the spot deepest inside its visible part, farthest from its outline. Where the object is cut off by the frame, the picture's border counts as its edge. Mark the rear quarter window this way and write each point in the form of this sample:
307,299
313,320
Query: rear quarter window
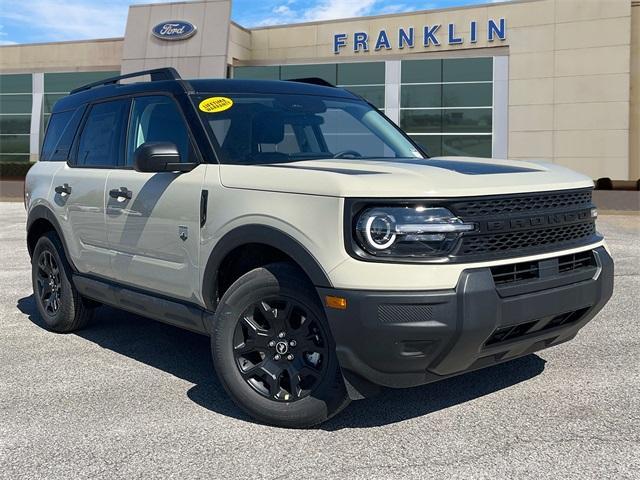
60,133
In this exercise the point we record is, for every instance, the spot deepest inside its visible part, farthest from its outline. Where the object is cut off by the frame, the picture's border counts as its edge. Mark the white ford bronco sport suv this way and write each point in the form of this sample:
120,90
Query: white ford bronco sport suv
321,249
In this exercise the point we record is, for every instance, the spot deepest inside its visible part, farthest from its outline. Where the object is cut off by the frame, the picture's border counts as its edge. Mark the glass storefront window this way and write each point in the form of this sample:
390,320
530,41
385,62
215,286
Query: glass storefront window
67,81
467,69
467,145
15,104
361,73
362,78
467,120
422,71
257,73
419,96
326,72
467,95
373,94
14,144
446,105
15,83
12,124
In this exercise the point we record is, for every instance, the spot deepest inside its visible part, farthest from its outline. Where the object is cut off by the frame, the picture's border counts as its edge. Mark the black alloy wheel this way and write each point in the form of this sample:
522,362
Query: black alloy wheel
48,282
273,350
280,349
59,303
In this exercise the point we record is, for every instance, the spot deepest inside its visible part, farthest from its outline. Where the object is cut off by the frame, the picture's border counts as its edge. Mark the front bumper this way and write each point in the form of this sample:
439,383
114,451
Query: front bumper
403,339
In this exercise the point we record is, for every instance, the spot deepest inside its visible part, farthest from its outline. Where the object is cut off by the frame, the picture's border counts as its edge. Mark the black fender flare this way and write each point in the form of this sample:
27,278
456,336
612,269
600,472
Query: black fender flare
41,212
261,234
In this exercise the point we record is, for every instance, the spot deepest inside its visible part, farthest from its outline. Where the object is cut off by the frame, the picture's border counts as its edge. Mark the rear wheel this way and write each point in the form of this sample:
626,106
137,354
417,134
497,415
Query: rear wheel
273,350
58,302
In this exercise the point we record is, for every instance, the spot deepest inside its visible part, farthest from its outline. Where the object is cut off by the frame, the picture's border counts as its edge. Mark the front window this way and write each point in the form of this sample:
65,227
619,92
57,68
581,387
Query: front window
273,128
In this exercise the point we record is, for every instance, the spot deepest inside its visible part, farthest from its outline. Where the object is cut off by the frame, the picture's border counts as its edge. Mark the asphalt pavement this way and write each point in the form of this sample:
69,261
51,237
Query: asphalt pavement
131,398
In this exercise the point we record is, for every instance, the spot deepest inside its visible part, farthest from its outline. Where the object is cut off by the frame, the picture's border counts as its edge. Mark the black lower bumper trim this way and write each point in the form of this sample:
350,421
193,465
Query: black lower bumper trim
403,339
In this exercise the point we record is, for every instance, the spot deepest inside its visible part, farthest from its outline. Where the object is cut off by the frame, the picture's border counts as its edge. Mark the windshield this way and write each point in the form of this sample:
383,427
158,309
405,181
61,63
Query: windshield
271,128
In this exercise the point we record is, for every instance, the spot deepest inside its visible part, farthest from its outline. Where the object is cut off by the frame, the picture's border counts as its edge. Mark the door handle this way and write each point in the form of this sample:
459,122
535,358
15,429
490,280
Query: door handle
121,192
63,189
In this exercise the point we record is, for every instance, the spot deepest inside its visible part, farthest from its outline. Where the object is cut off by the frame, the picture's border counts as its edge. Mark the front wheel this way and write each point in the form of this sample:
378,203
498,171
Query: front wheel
273,350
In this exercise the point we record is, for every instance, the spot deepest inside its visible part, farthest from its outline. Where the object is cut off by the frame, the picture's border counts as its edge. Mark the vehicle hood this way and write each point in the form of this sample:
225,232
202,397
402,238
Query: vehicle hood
432,177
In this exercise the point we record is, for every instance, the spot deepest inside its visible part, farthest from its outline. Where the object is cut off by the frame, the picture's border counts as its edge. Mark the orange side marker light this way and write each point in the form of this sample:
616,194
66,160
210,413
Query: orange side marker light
338,303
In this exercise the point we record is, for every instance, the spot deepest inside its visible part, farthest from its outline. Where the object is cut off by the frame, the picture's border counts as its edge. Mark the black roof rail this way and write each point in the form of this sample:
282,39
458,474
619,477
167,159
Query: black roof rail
313,81
157,74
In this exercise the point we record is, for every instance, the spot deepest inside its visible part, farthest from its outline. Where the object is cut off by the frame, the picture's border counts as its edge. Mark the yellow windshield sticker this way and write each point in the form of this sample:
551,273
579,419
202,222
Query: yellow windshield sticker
215,104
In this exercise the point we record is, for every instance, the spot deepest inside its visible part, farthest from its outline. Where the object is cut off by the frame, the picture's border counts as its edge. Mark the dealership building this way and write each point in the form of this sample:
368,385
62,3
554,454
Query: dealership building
551,80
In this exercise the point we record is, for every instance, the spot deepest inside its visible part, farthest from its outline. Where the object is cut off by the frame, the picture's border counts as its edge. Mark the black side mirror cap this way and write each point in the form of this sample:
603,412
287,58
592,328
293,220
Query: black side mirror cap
153,157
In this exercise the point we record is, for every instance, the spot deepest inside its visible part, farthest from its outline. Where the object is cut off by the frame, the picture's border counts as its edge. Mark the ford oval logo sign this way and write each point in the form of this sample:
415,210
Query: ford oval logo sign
174,30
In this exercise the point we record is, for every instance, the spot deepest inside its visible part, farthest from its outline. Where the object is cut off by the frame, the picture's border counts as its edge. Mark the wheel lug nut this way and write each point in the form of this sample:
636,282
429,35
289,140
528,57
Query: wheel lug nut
281,335
272,343
292,343
290,357
277,357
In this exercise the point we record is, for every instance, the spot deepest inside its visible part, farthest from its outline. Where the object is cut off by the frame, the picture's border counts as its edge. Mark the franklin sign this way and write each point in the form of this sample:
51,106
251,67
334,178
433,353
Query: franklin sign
428,36
174,30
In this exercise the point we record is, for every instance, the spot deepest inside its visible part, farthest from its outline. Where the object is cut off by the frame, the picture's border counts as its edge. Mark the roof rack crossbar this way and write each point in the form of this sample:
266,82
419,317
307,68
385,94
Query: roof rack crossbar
157,74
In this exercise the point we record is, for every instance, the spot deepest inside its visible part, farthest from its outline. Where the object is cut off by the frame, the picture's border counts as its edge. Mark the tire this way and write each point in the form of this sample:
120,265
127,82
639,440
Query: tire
60,305
297,386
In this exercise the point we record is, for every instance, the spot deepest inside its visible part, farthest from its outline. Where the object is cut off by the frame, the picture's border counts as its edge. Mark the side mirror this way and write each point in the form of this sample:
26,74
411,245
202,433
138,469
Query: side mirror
155,157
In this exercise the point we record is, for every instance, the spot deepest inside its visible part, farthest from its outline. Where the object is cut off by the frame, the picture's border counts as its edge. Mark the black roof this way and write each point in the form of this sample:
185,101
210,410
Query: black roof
213,86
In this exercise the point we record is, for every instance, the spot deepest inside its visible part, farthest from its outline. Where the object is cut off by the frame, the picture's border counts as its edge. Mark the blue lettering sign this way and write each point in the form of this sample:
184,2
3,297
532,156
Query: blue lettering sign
496,29
383,41
360,41
499,30
453,40
430,35
339,41
405,38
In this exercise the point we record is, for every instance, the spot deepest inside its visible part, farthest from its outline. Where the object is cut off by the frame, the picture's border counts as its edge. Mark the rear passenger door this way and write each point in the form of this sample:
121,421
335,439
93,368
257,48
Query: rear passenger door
78,187
153,228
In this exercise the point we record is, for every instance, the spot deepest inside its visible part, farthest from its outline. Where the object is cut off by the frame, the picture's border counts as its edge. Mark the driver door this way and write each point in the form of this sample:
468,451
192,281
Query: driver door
153,219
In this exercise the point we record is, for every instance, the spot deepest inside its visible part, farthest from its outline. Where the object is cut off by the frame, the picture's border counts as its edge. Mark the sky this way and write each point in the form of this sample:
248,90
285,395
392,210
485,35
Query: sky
32,21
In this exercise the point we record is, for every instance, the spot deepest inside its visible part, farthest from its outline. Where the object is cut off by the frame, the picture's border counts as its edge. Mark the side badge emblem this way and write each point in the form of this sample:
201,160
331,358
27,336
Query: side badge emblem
183,232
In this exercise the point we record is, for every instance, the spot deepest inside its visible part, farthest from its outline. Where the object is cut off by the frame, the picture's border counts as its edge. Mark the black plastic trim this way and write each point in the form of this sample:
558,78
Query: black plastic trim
174,312
402,339
42,212
259,234
204,200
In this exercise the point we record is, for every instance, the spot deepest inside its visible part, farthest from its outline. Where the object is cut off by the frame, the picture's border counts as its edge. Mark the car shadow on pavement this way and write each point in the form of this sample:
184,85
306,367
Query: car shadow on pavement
187,356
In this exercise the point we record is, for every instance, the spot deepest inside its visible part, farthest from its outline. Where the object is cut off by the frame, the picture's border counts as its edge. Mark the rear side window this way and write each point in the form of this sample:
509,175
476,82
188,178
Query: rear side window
157,119
102,139
60,134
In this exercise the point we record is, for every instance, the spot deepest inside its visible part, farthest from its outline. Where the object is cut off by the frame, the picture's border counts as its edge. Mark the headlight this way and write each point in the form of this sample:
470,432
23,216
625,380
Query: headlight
409,231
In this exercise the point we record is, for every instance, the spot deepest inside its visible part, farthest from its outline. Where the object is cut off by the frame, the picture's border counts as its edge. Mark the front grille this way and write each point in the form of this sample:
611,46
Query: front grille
524,204
514,332
515,272
576,261
526,241
524,224
523,271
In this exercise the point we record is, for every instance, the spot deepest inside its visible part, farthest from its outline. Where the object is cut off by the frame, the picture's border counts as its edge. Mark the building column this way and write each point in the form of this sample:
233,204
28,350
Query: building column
392,79
37,100
500,107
